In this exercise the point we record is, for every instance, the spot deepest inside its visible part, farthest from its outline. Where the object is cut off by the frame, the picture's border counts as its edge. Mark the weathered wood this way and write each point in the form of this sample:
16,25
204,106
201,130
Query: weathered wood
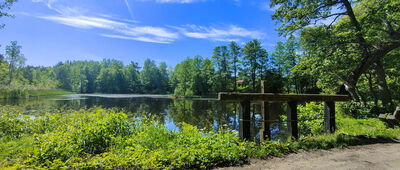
244,117
291,99
225,96
265,131
263,86
391,119
329,117
291,111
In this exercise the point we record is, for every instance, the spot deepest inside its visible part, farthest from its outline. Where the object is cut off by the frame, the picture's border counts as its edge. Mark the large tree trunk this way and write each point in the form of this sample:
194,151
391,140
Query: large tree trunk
368,57
386,97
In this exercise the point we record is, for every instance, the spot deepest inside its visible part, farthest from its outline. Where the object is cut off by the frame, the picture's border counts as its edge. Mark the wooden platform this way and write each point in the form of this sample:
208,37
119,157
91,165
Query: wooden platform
235,97
292,100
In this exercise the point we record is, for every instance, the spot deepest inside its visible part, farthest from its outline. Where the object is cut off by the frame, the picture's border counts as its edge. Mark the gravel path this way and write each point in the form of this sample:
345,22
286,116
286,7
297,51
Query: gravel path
375,156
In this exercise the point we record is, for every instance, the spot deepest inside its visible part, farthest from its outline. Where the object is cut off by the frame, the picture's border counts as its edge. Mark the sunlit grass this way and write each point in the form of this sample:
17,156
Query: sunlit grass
107,139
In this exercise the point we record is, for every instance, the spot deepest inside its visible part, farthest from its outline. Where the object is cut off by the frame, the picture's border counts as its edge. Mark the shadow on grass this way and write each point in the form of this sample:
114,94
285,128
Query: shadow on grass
365,140
340,141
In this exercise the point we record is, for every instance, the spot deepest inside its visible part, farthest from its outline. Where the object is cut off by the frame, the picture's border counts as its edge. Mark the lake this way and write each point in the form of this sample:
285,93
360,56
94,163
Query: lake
208,114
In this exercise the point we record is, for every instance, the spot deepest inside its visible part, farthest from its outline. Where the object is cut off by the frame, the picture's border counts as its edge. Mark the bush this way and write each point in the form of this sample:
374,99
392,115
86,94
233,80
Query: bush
311,118
107,139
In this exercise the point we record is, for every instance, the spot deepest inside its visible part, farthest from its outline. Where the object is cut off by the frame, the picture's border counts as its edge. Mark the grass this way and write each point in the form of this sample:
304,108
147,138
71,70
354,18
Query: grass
108,139
24,93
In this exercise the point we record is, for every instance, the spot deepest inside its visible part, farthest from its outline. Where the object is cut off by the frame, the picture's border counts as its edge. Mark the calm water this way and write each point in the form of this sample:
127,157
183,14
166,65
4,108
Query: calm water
207,114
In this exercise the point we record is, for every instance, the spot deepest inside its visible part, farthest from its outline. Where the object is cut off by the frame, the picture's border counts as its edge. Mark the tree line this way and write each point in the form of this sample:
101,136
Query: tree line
355,53
195,76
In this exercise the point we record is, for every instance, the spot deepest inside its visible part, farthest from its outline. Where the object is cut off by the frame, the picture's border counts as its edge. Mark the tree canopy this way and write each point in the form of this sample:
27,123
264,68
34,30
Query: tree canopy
360,35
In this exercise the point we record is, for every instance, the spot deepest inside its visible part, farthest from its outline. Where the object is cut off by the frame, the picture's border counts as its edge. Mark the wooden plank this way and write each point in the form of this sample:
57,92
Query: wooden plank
263,86
225,96
329,117
244,120
265,131
292,119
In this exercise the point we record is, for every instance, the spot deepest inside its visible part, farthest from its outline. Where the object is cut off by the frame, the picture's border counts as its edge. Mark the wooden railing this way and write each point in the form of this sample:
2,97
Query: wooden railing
292,101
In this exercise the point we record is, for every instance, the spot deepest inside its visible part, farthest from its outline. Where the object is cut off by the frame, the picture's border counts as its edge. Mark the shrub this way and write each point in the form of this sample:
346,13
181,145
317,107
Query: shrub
311,118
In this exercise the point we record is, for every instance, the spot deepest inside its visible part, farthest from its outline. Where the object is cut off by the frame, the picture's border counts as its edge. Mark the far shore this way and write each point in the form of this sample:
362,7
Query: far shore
118,95
161,96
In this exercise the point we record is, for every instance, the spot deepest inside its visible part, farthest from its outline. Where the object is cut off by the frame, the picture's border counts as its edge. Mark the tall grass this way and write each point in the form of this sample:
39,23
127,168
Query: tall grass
14,93
108,139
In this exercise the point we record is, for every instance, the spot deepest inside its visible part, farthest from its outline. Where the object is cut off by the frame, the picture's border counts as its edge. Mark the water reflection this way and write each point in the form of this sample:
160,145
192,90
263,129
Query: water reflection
209,115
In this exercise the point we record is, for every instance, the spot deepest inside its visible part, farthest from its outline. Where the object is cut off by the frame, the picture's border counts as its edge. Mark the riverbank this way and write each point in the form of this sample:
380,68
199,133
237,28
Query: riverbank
26,93
118,95
105,138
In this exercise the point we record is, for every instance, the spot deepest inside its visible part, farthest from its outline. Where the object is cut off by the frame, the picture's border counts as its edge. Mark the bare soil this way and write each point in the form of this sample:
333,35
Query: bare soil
375,156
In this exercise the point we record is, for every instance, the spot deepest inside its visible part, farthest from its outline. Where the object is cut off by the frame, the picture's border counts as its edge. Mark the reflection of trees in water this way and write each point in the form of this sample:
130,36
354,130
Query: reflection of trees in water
208,115
205,114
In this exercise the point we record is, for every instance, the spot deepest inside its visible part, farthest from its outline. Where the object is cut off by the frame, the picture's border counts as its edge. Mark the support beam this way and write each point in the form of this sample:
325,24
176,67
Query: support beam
265,131
329,117
244,120
292,119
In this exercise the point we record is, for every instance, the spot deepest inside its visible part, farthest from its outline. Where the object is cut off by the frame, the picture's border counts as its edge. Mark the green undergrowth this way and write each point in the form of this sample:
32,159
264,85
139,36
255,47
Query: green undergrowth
8,93
107,139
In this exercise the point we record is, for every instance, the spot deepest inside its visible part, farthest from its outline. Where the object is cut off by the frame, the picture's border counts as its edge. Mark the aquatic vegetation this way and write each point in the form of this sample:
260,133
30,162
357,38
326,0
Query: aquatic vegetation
106,138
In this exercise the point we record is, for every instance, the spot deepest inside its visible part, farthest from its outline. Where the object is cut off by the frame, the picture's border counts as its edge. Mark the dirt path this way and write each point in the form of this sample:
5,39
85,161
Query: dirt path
375,156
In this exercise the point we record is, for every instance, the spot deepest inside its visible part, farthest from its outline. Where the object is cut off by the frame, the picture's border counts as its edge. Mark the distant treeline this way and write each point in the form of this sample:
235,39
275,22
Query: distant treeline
291,68
193,76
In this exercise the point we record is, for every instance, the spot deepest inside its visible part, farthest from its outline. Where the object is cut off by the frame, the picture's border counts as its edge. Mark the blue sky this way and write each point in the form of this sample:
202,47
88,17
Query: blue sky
50,31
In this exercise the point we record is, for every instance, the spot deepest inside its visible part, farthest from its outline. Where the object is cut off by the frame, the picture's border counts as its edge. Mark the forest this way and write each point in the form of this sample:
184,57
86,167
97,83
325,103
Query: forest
330,47
194,76
304,63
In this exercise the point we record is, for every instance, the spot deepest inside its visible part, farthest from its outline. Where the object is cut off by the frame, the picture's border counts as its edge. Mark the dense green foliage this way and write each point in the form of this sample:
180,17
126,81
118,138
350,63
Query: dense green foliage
100,138
311,117
356,48
359,50
192,77
105,138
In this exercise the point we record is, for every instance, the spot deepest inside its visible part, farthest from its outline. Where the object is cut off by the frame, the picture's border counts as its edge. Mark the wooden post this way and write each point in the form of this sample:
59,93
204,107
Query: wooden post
244,120
329,117
265,131
292,119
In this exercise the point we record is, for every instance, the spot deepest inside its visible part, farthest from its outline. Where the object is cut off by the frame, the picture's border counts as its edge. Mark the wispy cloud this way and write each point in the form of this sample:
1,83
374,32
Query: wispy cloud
138,38
118,29
111,27
107,25
229,33
129,8
85,22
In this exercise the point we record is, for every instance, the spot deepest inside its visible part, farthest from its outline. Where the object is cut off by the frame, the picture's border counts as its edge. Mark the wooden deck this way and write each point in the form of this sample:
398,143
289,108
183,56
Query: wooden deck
237,97
292,100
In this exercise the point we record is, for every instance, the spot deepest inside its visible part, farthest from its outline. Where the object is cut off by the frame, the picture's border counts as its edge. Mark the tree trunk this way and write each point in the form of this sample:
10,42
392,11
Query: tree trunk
371,89
386,97
235,87
350,87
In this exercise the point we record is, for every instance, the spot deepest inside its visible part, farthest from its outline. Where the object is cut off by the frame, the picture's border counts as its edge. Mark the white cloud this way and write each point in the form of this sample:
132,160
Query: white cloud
144,39
119,30
111,27
85,22
129,8
230,33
